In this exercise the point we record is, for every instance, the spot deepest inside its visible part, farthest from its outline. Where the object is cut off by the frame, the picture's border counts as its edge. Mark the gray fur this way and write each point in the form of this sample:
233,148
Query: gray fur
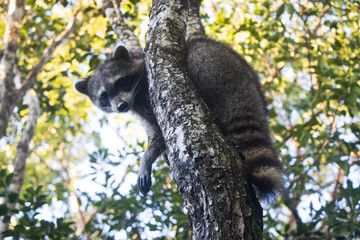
229,87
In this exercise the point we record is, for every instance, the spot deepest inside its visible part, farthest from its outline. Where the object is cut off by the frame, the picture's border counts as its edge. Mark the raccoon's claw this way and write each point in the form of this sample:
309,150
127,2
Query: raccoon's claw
144,181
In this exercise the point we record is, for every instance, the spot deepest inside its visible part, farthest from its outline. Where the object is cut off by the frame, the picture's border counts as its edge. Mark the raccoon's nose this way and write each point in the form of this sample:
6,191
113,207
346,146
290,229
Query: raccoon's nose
122,106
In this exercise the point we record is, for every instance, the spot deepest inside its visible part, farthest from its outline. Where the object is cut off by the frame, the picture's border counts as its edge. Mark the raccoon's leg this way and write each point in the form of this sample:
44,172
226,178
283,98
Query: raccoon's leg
156,147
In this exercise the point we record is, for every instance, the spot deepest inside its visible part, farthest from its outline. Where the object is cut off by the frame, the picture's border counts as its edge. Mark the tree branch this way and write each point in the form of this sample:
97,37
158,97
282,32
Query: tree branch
15,15
22,152
316,114
194,28
7,86
322,14
125,34
23,146
13,97
47,55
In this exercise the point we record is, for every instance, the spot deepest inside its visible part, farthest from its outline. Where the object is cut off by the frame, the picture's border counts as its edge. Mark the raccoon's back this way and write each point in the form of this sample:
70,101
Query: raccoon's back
232,91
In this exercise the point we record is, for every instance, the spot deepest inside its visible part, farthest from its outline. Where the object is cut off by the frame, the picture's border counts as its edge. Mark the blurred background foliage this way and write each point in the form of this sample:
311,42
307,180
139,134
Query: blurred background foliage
80,180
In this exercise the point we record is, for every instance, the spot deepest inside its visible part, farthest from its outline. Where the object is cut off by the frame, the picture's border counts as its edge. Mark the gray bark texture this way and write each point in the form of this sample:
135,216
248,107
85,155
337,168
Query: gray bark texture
125,34
208,171
194,26
22,152
7,62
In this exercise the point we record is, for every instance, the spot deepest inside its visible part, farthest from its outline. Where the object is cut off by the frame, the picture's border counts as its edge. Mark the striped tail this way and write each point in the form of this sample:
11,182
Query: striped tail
252,138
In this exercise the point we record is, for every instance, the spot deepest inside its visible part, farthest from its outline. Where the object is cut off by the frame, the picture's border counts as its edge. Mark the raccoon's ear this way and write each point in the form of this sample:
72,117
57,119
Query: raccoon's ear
81,86
121,53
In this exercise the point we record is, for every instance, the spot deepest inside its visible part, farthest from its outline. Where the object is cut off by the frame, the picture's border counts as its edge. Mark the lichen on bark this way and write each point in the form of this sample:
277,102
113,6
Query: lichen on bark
206,168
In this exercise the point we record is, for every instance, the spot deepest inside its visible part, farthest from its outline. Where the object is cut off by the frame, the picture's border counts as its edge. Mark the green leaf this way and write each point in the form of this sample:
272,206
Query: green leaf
9,179
3,209
280,10
13,197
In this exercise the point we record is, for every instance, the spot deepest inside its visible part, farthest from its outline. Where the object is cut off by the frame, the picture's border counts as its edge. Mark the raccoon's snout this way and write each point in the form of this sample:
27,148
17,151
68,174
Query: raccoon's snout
122,102
122,106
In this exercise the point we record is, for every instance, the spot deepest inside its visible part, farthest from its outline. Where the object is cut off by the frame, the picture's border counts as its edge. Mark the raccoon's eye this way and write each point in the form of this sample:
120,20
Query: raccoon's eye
104,100
104,96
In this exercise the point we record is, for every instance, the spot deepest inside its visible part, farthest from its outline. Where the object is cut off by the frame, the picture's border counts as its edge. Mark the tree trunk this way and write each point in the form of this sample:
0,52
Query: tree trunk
206,168
22,152
7,62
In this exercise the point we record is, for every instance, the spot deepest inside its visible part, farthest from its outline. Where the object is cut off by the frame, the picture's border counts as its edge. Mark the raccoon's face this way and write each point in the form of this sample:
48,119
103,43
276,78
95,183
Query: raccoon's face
114,84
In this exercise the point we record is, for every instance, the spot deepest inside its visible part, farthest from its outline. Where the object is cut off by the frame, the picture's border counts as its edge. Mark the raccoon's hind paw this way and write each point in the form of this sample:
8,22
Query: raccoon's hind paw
144,180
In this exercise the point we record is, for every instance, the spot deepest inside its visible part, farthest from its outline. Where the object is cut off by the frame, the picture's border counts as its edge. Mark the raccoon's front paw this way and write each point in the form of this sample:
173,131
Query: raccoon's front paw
144,180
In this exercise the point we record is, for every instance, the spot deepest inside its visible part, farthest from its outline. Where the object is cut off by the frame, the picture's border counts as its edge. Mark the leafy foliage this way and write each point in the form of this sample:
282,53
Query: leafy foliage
307,56
28,226
129,211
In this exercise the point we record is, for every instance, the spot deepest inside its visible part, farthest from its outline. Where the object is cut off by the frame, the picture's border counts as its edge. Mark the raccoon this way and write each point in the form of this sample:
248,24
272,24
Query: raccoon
229,87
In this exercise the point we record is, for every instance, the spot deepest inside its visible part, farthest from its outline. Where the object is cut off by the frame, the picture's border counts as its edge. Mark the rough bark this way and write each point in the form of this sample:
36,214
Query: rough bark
22,152
7,86
194,26
125,35
206,168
